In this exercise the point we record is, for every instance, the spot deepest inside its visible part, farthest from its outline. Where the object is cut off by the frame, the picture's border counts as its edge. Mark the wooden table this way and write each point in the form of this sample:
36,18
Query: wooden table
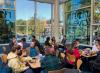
35,64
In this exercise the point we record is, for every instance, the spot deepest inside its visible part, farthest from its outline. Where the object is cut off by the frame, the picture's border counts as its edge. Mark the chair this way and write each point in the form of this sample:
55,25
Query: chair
71,58
4,58
4,66
4,55
62,55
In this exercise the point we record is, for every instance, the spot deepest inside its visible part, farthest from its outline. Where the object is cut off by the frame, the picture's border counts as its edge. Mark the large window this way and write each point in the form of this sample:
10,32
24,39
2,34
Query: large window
31,20
96,19
7,20
77,20
96,11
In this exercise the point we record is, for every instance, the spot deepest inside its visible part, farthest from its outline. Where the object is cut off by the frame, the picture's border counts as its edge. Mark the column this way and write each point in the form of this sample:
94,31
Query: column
52,8
55,25
91,31
35,16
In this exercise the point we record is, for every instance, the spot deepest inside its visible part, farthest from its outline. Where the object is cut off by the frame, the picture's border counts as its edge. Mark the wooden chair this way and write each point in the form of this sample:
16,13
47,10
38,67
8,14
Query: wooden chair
62,55
4,58
71,58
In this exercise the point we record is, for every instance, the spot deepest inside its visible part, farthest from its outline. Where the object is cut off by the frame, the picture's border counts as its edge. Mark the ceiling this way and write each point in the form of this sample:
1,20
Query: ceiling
49,1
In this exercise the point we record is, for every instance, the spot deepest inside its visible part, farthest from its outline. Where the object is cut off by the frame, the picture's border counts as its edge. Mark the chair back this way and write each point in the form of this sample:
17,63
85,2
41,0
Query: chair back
4,58
62,55
71,58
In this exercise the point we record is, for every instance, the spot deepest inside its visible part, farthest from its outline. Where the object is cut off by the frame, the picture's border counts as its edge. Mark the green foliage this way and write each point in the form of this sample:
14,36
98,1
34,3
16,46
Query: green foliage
20,22
97,12
22,26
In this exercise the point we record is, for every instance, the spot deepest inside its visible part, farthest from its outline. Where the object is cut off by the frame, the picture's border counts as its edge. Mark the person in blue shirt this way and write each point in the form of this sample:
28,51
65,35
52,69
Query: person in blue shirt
33,52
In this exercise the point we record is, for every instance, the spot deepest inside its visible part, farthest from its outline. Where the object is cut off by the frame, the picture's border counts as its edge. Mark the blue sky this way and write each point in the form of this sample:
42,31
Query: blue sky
25,10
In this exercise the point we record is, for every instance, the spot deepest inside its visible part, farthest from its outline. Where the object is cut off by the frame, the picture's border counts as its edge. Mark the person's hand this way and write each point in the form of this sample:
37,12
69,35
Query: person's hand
26,67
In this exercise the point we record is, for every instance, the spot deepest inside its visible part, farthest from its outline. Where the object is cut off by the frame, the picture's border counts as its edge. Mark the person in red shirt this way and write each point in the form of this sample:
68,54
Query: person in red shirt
72,55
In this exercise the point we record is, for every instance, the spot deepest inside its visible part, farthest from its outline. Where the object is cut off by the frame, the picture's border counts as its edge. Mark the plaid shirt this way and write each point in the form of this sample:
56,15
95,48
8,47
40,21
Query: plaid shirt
50,63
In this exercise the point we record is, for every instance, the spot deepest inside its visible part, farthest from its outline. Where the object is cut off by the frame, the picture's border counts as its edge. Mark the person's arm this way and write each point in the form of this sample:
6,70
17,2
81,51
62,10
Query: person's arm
43,64
28,51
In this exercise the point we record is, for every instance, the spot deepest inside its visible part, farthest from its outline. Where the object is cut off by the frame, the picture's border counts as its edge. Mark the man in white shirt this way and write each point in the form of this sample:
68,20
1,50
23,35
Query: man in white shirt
94,48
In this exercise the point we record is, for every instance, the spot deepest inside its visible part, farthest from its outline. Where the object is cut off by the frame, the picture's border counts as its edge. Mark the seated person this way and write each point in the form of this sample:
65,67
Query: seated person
94,48
24,43
96,63
23,55
47,42
34,51
72,55
32,62
92,63
70,59
50,61
14,62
